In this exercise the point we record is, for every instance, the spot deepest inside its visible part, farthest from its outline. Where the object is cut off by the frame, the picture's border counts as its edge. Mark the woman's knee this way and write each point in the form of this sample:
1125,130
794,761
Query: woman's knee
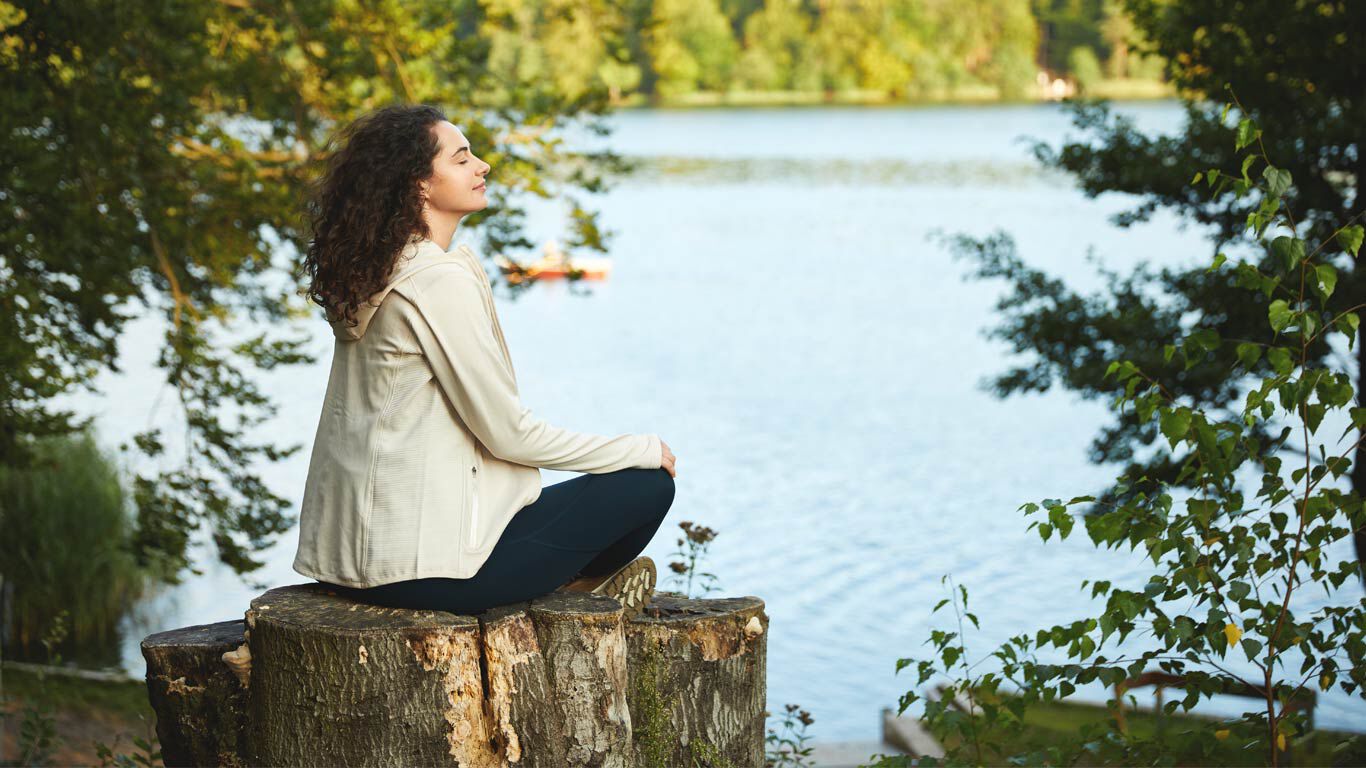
662,487
654,488
669,481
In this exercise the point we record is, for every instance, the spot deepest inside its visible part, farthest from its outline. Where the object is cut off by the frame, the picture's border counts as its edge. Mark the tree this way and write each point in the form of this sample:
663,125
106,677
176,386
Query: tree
1225,564
691,46
776,41
154,160
1068,24
1298,71
1084,66
989,42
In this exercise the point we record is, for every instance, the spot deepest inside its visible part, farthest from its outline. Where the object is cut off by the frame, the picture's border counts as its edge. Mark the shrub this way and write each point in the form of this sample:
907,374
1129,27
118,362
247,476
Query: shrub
65,529
1224,569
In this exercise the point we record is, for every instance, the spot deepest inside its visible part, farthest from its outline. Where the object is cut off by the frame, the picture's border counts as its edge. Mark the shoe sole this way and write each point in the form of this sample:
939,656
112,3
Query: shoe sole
632,586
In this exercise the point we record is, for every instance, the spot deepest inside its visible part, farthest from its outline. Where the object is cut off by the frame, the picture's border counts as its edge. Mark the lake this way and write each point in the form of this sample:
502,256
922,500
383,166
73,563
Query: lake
778,313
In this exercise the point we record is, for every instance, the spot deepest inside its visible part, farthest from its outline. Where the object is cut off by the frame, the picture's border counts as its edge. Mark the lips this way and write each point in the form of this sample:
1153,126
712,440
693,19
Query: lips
481,186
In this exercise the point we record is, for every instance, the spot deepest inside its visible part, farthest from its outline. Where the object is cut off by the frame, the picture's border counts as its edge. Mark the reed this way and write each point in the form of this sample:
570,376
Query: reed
65,529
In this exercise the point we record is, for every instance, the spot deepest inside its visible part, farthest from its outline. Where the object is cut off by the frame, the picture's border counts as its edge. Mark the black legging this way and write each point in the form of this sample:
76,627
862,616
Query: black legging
590,525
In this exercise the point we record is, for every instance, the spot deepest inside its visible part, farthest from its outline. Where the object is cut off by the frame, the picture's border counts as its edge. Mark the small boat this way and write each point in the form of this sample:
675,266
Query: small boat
556,263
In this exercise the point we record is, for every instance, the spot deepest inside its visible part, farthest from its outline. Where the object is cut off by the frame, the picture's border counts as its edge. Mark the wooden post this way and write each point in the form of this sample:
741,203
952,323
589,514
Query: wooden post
314,678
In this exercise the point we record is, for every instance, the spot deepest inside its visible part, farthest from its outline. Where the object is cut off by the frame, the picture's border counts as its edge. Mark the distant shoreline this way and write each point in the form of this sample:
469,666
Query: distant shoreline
1126,90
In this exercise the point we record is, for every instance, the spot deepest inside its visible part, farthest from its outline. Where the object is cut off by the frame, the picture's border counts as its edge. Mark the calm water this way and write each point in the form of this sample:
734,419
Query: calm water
778,314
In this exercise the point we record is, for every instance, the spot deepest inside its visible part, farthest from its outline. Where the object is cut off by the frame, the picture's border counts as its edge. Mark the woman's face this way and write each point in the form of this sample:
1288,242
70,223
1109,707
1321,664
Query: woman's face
456,186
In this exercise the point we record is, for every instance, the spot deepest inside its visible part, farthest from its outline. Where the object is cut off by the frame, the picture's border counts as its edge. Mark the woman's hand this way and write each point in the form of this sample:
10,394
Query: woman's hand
668,459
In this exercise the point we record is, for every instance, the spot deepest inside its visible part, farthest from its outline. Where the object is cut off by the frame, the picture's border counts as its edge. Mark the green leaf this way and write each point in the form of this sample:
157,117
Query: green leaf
1175,424
1350,239
1184,626
1347,325
1280,360
1314,416
1279,314
1277,181
1328,278
951,654
1202,509
1247,133
1249,354
1088,646
1289,251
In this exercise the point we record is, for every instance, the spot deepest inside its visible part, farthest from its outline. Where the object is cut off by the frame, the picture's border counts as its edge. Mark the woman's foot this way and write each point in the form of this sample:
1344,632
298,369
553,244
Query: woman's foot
632,585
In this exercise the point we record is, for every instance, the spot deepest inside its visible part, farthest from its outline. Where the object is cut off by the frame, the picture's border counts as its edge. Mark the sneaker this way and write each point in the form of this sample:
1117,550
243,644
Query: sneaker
632,585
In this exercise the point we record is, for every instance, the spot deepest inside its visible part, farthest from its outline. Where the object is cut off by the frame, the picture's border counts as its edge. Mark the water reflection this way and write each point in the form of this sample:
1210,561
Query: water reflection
893,172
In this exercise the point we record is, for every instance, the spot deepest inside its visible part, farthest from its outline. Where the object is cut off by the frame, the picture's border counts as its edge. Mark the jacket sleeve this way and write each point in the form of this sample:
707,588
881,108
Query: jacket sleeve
455,334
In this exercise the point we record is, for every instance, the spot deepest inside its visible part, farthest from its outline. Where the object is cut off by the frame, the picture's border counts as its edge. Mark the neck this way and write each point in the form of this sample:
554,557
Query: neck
443,231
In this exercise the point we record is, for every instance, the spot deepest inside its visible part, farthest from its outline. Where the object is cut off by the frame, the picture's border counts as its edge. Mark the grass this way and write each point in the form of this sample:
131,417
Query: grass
1056,723
78,696
64,543
84,713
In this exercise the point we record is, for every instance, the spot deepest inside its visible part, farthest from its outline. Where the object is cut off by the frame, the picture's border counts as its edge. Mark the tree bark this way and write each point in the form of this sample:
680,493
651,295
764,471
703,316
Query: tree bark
314,678
700,681
200,705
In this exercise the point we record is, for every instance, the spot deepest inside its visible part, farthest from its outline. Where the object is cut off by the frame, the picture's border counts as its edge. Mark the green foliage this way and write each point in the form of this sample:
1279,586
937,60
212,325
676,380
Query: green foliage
45,693
777,49
38,728
155,158
1224,567
146,755
691,46
789,747
670,50
66,537
692,548
1085,67
1293,71
1296,69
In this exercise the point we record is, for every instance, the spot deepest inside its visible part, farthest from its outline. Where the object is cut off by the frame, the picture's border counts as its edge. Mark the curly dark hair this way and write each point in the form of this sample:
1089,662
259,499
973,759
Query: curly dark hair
366,205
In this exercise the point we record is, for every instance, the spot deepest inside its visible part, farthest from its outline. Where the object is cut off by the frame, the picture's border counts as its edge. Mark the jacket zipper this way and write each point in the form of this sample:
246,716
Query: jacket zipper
474,513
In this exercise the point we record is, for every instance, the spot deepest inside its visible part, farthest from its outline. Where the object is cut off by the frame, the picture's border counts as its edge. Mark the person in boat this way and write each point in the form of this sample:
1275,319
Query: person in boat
424,487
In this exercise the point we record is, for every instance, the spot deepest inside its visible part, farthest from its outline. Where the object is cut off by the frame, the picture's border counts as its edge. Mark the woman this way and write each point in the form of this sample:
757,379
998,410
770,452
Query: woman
423,488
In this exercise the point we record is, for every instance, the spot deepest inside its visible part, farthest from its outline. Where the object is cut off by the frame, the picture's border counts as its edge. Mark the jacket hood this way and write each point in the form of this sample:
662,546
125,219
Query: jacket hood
417,255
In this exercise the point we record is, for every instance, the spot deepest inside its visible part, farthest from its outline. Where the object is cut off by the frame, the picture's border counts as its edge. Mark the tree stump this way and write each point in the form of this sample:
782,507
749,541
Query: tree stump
311,677
199,701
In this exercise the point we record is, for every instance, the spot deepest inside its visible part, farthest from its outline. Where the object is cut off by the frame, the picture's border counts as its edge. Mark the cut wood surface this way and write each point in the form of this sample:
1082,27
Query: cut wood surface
309,677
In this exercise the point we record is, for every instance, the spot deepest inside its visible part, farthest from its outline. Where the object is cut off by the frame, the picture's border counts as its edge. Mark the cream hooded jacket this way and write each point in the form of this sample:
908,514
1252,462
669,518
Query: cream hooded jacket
424,451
